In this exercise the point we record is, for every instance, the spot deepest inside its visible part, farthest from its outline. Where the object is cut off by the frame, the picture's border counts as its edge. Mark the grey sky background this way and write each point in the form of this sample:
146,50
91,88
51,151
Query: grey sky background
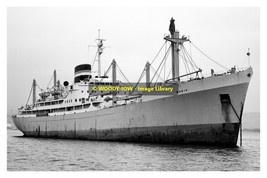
40,40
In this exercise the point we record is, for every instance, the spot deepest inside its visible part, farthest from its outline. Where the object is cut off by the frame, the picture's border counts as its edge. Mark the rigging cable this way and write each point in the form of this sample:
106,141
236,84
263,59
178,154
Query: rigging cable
156,72
190,62
158,52
185,64
163,66
50,80
161,63
94,59
187,58
123,74
38,86
191,59
169,73
165,63
29,96
140,78
210,58
187,61
190,50
105,74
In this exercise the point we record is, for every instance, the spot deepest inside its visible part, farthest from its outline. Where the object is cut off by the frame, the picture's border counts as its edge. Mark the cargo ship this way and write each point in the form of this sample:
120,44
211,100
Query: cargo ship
184,109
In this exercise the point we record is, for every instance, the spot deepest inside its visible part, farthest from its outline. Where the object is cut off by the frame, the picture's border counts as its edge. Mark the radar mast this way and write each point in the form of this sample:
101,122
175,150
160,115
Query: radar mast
99,52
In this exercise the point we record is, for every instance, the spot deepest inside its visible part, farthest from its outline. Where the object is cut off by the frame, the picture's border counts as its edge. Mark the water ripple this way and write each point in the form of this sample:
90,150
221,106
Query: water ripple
31,154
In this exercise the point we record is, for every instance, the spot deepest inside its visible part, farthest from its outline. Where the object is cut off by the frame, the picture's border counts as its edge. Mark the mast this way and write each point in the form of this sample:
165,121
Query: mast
147,74
175,50
114,76
176,42
33,91
99,52
55,78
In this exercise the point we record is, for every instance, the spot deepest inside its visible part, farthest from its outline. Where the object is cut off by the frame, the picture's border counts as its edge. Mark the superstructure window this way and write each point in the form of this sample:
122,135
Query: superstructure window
69,108
78,107
54,102
61,109
54,110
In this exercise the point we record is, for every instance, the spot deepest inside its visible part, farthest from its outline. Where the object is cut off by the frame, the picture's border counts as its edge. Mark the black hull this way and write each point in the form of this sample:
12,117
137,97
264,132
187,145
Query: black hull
225,134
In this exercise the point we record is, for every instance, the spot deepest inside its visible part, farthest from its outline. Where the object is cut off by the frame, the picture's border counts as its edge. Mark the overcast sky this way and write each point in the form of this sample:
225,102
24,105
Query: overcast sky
40,40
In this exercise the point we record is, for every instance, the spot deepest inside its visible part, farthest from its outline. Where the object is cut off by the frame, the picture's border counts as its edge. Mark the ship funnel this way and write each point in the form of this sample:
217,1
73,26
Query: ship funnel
66,83
82,73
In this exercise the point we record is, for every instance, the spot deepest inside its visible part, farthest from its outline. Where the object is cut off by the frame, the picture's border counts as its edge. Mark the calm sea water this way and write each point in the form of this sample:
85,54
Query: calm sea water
32,154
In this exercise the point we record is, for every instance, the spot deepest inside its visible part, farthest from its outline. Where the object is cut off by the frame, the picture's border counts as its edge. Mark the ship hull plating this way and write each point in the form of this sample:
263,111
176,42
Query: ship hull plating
193,118
207,134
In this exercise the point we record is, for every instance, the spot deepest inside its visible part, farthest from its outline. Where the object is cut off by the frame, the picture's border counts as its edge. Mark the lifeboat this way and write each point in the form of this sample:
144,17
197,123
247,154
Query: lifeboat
56,92
96,103
44,95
